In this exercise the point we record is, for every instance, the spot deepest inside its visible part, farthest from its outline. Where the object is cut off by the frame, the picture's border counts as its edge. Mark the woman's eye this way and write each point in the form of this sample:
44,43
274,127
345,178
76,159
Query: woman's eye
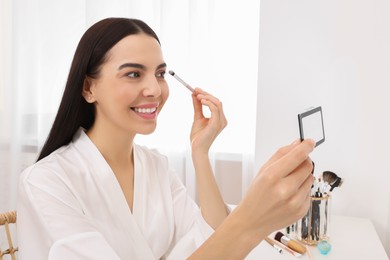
161,74
133,75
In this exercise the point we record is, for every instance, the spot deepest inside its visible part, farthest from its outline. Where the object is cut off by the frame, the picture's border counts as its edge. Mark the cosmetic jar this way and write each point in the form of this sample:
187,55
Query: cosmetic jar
324,247
315,225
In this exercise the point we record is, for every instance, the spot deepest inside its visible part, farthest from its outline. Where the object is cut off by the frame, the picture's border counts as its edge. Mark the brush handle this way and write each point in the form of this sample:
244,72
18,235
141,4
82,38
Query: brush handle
296,246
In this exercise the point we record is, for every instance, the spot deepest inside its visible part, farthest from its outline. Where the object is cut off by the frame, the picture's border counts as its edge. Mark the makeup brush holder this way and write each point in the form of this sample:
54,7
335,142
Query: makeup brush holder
315,225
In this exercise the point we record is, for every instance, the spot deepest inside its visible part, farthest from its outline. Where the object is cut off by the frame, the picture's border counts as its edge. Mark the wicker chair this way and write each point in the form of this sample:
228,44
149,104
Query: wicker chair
6,219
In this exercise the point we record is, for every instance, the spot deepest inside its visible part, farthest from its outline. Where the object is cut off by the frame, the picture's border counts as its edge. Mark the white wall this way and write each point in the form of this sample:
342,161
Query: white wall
335,54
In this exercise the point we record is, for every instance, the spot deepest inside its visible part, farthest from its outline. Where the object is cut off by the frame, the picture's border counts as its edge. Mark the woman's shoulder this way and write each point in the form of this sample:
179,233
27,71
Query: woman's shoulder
48,167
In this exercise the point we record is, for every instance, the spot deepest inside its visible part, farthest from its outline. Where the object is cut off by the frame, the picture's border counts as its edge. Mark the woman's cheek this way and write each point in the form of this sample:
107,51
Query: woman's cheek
164,93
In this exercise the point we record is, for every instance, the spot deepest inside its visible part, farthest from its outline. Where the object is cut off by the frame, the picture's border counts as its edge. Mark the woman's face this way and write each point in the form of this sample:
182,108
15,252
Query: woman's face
130,90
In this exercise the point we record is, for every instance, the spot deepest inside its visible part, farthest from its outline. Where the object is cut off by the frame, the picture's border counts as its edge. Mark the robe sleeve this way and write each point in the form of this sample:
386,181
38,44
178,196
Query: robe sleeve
191,230
51,223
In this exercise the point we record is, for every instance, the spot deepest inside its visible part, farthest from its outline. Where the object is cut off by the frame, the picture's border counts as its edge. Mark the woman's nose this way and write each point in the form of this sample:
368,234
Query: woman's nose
152,87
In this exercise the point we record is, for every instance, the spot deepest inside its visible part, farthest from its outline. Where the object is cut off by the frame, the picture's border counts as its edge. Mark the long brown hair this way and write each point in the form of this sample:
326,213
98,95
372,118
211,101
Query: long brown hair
74,112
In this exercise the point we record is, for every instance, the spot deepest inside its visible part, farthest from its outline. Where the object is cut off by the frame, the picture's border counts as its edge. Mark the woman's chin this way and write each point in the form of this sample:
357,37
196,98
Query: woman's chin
147,131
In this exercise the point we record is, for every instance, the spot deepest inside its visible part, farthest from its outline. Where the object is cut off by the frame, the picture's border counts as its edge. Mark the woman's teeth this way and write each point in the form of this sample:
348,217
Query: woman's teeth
145,110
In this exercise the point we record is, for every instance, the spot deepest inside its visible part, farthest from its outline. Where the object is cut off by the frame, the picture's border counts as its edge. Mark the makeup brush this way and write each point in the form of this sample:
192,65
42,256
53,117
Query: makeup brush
181,81
333,179
290,243
273,244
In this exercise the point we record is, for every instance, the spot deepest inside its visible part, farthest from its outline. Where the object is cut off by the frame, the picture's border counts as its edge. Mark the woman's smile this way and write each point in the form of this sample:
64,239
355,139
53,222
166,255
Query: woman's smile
146,111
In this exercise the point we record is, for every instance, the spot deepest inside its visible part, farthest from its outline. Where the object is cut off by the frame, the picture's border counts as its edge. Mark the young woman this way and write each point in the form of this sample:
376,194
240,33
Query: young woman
95,194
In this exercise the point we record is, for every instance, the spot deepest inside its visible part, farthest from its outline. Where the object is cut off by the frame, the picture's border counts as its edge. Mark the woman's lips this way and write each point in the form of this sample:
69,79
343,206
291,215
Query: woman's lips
146,111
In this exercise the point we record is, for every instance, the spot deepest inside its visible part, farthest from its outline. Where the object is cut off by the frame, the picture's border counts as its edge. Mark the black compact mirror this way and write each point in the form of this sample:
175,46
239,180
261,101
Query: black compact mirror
311,125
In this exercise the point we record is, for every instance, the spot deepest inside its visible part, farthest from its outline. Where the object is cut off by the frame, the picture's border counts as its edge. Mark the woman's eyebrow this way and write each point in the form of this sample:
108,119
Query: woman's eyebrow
139,66
132,65
162,65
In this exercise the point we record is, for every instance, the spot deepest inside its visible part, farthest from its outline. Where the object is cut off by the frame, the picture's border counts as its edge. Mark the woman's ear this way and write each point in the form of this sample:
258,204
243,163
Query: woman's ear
87,93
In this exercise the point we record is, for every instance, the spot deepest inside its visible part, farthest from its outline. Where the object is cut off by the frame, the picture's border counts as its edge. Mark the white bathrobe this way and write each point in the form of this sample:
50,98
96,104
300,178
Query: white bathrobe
71,206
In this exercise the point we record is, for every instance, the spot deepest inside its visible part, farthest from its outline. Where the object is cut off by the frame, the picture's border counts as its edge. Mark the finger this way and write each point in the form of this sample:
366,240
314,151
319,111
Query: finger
293,158
280,153
198,112
293,183
307,184
300,174
303,191
200,93
302,196
218,104
214,118
213,99
298,155
215,102
204,95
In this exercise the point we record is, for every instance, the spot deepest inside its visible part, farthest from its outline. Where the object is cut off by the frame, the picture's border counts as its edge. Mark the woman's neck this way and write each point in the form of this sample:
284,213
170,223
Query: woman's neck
115,145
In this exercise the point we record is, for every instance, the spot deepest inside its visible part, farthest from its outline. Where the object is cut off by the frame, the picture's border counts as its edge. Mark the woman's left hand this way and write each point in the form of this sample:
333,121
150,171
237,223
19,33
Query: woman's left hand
205,130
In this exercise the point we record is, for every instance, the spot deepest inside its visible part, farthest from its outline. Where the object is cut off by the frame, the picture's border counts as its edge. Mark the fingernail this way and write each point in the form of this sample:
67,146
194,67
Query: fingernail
314,142
314,165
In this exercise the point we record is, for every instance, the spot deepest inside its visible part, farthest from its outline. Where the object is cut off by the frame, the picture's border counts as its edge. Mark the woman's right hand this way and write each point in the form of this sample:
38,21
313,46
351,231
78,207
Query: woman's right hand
280,193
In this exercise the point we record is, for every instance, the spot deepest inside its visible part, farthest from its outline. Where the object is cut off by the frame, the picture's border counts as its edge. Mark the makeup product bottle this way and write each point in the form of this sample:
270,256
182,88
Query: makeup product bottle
290,243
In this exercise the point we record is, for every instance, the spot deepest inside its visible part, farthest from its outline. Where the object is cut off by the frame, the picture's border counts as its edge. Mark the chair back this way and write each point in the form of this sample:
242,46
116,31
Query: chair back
6,219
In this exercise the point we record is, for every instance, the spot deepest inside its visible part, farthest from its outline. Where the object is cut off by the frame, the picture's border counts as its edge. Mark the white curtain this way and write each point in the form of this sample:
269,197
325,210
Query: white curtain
211,44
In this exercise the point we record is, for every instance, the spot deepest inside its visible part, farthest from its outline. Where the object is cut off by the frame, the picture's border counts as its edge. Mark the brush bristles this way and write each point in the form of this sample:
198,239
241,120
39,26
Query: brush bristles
332,179
171,72
278,236
329,177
